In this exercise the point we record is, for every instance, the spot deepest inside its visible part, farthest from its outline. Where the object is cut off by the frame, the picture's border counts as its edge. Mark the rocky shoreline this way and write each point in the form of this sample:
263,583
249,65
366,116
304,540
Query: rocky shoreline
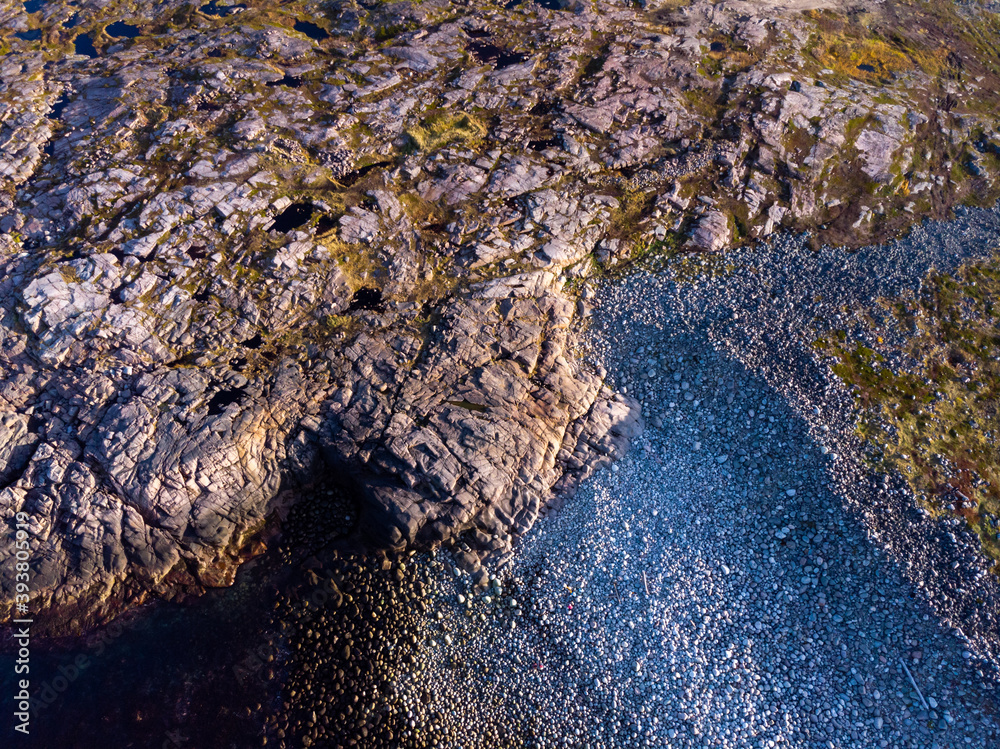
741,578
786,586
244,247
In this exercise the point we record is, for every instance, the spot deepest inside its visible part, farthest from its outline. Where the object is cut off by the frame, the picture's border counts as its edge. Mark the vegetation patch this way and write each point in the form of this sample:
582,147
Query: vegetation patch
444,128
930,404
866,59
433,286
360,264
633,207
345,324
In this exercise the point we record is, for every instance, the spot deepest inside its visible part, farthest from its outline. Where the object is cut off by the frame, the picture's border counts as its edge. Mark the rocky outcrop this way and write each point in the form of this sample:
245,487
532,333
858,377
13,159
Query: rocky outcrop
157,478
711,232
239,256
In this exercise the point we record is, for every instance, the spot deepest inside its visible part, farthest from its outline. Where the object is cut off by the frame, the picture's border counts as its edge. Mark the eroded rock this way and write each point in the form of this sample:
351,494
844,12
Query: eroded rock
173,351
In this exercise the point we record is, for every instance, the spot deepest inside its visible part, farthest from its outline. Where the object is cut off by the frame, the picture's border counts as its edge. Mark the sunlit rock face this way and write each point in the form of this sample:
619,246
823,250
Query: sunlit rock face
246,249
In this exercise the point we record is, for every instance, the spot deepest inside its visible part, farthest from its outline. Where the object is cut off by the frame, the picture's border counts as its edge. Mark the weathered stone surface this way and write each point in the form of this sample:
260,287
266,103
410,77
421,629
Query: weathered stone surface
711,233
878,149
235,258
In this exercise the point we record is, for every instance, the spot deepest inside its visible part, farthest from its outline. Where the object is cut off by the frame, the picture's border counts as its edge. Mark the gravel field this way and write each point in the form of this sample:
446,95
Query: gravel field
737,580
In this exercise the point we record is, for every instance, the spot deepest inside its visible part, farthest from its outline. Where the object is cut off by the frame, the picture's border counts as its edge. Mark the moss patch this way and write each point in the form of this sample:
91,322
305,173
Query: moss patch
934,413
445,128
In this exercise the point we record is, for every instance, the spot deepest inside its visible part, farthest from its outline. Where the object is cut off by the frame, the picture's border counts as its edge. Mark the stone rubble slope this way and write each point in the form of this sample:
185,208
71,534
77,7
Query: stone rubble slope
240,254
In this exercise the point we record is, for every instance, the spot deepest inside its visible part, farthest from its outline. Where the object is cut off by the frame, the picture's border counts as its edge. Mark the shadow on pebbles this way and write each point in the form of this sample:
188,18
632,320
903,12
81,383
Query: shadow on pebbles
737,580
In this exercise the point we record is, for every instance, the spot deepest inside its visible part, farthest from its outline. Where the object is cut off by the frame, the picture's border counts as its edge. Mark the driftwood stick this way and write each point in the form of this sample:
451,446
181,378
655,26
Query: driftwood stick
644,583
919,693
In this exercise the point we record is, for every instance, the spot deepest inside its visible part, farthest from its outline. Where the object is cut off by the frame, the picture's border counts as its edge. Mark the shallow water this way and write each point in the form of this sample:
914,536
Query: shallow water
186,673
219,11
59,106
317,33
122,30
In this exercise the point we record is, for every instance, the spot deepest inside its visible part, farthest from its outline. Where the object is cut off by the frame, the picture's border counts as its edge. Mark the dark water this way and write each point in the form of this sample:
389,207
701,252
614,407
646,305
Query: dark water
84,45
57,108
311,30
186,675
33,6
214,9
294,216
122,30
253,343
544,143
352,177
224,398
29,36
487,52
221,671
367,298
542,108
292,81
214,673
326,223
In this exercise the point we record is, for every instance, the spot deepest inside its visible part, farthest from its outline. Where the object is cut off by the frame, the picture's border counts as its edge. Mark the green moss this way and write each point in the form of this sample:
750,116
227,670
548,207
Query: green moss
633,205
855,125
340,323
799,140
935,417
658,249
360,264
704,103
391,31
444,127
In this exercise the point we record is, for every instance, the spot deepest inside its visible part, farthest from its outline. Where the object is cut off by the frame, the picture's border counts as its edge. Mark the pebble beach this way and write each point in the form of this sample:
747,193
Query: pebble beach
739,579
729,583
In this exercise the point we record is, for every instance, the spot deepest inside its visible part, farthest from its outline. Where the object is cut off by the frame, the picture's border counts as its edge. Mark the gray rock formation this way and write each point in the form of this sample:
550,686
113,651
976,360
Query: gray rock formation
236,259
711,232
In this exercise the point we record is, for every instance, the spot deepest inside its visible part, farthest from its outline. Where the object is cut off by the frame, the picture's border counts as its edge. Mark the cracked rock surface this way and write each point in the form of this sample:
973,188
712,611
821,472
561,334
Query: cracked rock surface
253,247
